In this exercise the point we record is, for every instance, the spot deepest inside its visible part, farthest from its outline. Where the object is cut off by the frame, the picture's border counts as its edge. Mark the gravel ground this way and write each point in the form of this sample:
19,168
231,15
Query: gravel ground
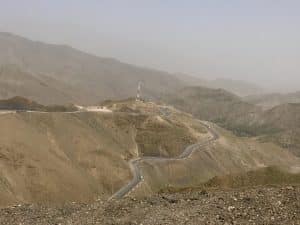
260,205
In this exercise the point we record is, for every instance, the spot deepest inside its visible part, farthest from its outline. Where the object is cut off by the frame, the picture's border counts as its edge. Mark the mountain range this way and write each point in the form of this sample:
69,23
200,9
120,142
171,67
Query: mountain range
270,100
58,74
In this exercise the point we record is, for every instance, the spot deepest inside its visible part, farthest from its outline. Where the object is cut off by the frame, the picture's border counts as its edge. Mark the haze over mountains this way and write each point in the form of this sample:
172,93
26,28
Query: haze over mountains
273,99
77,75
44,155
46,151
53,74
149,112
238,87
279,124
57,74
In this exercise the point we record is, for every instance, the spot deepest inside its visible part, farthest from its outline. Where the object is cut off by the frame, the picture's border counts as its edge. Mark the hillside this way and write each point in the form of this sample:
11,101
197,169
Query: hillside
215,105
285,121
261,177
16,82
259,205
238,87
43,156
279,124
227,156
19,103
58,74
49,72
268,101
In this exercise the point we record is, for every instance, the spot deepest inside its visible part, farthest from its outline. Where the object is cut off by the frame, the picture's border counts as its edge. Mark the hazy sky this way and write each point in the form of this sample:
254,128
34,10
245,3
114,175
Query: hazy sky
254,40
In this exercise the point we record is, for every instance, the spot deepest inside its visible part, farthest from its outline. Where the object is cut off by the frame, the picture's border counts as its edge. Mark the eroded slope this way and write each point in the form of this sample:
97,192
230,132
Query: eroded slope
59,157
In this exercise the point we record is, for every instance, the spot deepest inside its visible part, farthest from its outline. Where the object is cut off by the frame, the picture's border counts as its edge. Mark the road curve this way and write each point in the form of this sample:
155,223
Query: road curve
136,171
134,163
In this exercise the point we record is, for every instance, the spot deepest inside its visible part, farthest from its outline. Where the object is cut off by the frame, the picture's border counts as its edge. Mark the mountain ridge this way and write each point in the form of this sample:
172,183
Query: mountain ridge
94,77
80,77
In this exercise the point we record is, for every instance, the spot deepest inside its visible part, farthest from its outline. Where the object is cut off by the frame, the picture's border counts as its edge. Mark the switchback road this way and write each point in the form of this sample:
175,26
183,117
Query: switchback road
136,171
134,163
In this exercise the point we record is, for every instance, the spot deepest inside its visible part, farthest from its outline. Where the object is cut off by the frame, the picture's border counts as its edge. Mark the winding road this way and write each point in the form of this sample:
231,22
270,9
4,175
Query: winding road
136,171
134,163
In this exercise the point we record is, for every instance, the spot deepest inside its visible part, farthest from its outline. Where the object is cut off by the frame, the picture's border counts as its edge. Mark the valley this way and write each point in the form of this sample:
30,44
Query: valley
279,124
86,139
44,154
133,148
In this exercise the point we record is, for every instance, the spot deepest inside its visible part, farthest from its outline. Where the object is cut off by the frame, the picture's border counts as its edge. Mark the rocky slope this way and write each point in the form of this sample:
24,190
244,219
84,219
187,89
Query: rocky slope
261,205
43,156
216,105
279,124
227,155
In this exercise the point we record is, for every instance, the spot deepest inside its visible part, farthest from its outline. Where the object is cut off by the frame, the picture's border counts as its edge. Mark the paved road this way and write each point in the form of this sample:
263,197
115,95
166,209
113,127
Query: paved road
134,163
136,171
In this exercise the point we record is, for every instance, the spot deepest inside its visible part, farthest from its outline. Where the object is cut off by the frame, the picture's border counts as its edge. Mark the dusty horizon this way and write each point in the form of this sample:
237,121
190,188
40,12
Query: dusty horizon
255,42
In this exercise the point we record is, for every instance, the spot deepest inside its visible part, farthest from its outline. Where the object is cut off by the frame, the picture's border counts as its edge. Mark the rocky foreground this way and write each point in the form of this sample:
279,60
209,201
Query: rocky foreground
261,205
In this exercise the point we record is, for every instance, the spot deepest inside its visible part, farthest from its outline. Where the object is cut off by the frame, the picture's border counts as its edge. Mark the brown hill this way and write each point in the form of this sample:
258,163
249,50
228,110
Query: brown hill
285,121
18,103
238,87
225,158
280,124
15,82
268,101
215,105
66,74
265,176
259,205
44,156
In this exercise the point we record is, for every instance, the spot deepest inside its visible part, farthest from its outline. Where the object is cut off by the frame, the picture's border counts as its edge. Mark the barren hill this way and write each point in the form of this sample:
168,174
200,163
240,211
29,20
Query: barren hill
55,72
43,156
270,100
228,155
16,82
238,87
285,121
279,124
58,74
18,103
217,105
